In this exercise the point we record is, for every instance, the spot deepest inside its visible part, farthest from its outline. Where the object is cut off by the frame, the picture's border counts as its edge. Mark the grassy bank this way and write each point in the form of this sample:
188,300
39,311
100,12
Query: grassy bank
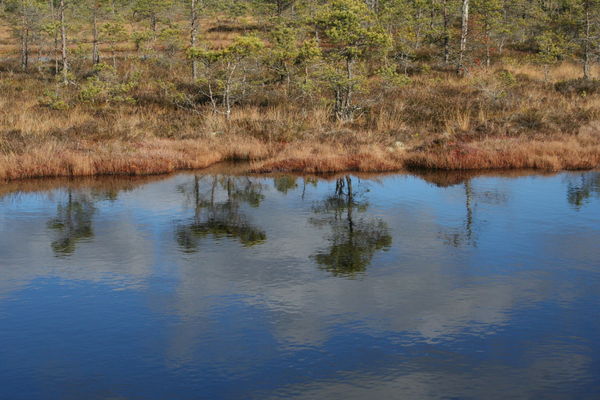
154,87
508,117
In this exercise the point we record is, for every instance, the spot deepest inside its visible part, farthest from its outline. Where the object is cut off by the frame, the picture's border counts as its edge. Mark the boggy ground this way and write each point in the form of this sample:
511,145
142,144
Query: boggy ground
506,118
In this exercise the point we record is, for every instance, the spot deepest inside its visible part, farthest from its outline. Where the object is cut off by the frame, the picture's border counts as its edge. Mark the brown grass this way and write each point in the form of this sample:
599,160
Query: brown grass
145,157
549,155
155,156
437,122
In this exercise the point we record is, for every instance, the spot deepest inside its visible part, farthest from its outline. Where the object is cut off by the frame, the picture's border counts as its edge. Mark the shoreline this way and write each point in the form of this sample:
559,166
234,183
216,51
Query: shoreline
437,122
163,156
439,178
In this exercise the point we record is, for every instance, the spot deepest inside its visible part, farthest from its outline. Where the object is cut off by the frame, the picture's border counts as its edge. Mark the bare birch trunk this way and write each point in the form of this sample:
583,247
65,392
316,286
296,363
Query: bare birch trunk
24,39
193,36
586,45
463,36
63,37
95,49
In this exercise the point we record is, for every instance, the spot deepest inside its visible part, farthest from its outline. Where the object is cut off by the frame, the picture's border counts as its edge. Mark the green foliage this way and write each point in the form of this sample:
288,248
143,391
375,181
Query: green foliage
141,39
225,70
284,50
54,100
105,87
170,37
113,33
293,59
309,55
506,78
309,51
350,34
152,10
391,77
50,29
352,30
242,47
490,13
417,27
552,47
233,8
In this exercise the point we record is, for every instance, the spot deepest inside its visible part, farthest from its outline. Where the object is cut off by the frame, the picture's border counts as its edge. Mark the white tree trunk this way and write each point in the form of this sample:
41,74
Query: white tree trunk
63,37
587,40
95,49
193,35
463,36
24,38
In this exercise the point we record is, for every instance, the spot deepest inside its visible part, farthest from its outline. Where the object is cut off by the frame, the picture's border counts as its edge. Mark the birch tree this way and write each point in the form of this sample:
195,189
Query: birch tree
464,32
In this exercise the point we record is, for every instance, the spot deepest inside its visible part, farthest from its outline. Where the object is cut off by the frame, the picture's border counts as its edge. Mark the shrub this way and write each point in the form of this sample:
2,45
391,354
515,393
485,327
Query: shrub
53,100
105,86
506,77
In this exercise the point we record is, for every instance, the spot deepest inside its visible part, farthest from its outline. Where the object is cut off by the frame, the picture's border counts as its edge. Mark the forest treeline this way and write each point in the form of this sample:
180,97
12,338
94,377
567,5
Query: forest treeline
303,47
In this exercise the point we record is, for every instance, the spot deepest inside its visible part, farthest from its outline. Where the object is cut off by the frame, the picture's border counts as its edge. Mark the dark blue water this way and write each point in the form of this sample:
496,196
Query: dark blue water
215,286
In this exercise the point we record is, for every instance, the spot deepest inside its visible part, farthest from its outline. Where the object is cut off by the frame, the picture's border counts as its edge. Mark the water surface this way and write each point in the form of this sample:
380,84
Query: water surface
220,286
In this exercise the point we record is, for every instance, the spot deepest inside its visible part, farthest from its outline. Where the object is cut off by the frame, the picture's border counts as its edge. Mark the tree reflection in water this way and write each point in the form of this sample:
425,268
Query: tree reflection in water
354,239
73,222
580,191
74,216
217,201
464,237
285,183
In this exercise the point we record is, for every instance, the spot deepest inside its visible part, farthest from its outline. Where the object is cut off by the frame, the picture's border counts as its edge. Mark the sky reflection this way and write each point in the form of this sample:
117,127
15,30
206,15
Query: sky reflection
222,286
